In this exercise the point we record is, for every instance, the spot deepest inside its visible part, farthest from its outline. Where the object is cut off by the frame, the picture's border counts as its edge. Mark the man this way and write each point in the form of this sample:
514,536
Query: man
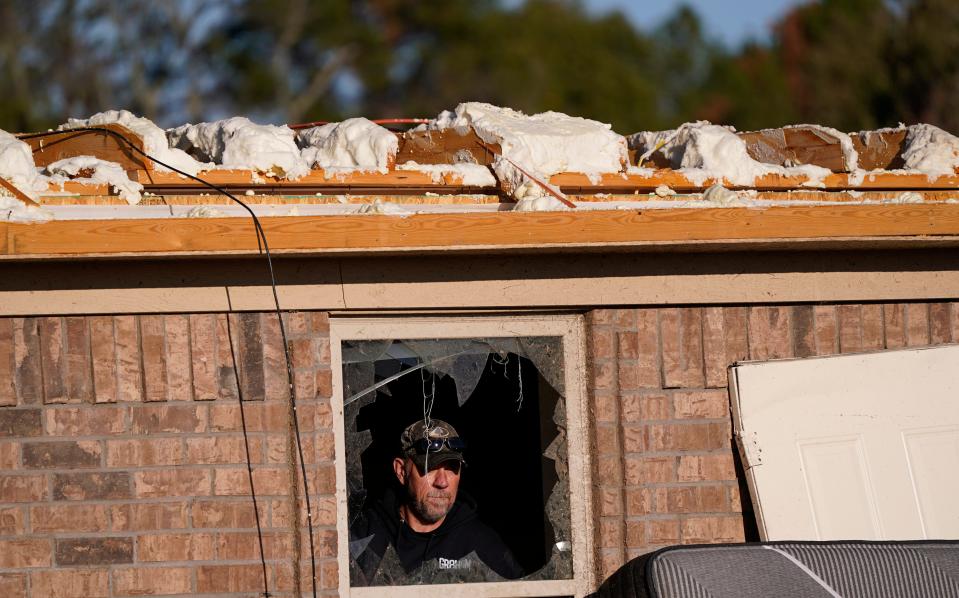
431,527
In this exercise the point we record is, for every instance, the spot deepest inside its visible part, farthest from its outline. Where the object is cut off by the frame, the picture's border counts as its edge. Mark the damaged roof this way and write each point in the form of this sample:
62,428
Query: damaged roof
473,178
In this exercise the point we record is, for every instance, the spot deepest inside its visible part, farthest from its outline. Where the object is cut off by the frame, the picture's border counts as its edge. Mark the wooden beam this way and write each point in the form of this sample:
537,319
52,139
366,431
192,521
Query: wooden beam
444,146
16,192
561,231
72,143
792,146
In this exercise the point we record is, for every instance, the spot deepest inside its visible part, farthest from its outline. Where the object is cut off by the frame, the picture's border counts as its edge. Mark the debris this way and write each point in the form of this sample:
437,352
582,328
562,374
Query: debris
354,144
94,170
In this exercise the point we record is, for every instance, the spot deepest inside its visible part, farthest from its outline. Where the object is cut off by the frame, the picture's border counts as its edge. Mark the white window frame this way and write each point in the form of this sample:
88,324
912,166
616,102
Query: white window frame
572,330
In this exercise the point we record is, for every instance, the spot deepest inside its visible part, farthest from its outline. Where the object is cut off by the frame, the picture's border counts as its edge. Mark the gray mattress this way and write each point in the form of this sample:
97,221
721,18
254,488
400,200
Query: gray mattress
854,569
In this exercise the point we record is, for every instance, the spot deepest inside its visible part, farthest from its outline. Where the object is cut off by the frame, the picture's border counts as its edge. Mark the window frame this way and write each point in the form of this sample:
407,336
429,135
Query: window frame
572,330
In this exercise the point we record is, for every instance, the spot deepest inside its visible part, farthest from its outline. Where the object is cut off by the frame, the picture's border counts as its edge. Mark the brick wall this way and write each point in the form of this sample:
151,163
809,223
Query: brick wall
122,462
666,472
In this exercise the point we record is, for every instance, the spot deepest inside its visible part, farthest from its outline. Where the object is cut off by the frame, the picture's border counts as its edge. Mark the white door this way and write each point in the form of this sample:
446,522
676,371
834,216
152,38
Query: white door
859,446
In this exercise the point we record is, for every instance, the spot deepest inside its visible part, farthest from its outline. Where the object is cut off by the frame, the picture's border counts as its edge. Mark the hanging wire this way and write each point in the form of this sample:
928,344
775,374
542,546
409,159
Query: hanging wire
262,247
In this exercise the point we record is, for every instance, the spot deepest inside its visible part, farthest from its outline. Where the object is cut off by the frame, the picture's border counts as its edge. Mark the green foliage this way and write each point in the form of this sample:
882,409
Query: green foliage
852,64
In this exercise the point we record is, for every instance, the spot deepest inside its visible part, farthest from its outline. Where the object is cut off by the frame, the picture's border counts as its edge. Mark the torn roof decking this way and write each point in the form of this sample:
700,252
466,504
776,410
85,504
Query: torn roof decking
844,219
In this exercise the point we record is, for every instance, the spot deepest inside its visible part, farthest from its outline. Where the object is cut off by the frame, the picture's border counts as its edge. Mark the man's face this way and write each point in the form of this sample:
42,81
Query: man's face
431,495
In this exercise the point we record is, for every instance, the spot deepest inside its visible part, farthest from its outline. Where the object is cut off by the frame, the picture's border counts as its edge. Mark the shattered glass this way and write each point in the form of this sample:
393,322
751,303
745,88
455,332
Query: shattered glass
506,397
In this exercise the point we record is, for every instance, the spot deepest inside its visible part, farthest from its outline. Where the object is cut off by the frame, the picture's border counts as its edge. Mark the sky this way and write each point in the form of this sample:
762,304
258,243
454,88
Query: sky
731,21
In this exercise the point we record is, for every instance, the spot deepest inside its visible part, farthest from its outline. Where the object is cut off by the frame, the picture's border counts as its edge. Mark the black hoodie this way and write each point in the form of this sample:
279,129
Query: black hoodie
450,547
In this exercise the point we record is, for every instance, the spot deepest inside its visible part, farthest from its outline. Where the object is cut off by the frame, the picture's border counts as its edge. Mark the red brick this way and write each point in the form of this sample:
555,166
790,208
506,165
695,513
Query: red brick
696,499
129,375
247,328
682,343
26,552
683,437
702,404
13,585
94,551
894,319
611,533
222,514
26,349
78,361
605,408
275,375
11,522
226,375
229,578
700,530
153,345
735,500
706,468
91,486
243,546
69,518
827,330
608,469
152,419
148,517
325,446
804,331
325,477
20,422
266,480
176,482
323,416
648,355
178,359
627,345
769,331
62,454
850,328
70,583
954,318
324,384
604,375
736,325
624,318
607,440
610,561
635,533
662,531
22,488
321,323
939,324
139,581
649,470
714,346
634,439
222,449
51,358
175,547
872,333
98,420
713,499
203,353
325,511
8,389
601,317
104,354
144,453
9,455
601,343
329,574
610,502
260,417
917,324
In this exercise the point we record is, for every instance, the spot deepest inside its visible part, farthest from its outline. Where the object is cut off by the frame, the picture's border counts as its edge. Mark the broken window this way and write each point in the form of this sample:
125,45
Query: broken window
506,396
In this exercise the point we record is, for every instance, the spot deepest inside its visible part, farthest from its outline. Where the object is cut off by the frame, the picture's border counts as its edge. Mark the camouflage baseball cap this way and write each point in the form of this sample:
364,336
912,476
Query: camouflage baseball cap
431,443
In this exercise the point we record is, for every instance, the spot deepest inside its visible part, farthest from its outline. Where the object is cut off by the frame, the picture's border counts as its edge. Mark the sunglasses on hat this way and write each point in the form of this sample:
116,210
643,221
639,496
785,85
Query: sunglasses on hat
423,446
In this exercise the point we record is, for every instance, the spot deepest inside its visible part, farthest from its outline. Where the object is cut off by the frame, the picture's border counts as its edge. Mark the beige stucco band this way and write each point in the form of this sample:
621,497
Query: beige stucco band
479,282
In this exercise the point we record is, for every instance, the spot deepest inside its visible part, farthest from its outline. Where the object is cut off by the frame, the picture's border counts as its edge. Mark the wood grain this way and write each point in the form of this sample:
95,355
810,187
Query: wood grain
376,233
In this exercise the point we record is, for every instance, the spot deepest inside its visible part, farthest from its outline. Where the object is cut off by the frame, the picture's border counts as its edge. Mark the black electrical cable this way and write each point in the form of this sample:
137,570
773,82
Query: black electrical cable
265,248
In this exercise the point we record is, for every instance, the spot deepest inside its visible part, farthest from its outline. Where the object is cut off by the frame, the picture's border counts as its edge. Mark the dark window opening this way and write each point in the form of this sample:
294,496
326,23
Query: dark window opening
505,398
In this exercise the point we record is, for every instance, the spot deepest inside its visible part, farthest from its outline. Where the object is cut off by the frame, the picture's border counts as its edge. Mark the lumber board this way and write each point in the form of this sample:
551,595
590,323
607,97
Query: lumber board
444,146
316,178
72,143
571,182
792,146
375,233
879,149
12,189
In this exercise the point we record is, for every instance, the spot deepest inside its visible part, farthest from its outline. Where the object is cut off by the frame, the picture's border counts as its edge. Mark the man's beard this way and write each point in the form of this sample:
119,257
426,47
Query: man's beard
430,511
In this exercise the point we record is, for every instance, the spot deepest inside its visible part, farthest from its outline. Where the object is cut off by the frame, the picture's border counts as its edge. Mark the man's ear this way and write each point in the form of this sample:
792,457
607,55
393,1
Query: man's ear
399,468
